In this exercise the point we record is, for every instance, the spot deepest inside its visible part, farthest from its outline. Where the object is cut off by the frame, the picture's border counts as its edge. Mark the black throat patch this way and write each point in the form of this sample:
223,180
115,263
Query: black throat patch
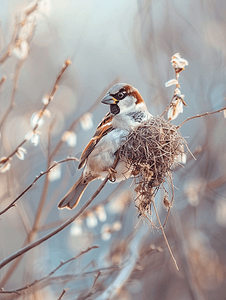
114,109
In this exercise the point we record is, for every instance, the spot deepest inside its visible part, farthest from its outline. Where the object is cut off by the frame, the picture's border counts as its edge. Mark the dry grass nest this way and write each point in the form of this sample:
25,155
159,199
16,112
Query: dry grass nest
150,152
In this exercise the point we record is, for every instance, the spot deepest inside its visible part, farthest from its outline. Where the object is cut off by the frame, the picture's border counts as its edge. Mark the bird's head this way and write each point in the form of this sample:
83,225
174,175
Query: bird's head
123,98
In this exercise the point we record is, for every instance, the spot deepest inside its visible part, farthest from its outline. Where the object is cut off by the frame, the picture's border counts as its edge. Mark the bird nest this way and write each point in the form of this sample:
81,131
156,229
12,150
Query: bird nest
150,151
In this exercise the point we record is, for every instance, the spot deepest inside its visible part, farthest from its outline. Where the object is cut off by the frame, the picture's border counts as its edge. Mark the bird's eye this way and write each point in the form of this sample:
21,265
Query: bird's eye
120,95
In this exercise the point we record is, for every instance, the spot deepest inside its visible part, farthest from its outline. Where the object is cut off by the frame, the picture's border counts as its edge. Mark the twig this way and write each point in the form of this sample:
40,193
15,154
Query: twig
42,112
178,68
8,52
20,21
200,116
12,268
64,278
2,80
34,181
43,197
57,230
61,295
164,235
167,216
177,86
95,280
73,258
56,269
12,102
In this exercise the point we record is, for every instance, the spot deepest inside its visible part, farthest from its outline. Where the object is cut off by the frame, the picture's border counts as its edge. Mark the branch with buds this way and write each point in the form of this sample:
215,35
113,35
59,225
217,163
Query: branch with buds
36,121
177,102
13,203
25,23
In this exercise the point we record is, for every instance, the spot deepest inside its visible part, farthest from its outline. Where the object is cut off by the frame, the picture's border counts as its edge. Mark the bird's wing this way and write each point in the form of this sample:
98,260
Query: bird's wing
102,129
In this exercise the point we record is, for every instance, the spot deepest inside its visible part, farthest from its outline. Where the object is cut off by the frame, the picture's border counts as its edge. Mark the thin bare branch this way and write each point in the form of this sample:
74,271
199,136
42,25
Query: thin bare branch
34,181
54,232
2,81
164,235
61,295
8,51
42,112
63,278
95,280
12,101
200,116
35,282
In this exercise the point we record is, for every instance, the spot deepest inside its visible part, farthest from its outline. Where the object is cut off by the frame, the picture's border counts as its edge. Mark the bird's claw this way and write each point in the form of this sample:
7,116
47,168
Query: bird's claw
112,174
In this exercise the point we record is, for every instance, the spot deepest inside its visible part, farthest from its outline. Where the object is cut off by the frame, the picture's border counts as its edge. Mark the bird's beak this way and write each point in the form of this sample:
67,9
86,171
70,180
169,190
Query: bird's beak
108,99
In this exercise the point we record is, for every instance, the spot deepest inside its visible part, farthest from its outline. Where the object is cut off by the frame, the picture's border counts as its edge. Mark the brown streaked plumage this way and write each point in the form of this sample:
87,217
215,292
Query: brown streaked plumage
102,129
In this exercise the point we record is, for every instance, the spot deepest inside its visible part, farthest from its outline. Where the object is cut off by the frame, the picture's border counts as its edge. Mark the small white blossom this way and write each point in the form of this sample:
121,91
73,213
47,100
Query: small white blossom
20,153
45,100
193,190
176,56
171,82
4,164
76,228
47,113
35,139
55,173
180,106
116,226
175,109
177,92
193,197
21,50
70,137
172,113
178,62
86,121
106,232
91,220
118,203
181,158
36,120
101,213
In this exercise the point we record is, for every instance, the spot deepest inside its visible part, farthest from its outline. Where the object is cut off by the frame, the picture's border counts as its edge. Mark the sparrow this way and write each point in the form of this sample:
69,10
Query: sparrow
127,110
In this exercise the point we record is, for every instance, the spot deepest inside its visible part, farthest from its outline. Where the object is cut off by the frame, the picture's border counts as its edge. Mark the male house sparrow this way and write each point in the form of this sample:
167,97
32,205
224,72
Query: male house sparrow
127,110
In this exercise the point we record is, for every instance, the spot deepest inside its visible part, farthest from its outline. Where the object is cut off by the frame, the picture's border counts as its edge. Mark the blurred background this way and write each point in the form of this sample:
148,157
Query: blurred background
109,42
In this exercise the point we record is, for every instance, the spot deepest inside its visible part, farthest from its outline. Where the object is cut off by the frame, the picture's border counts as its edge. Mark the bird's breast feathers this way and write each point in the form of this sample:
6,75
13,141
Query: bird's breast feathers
103,155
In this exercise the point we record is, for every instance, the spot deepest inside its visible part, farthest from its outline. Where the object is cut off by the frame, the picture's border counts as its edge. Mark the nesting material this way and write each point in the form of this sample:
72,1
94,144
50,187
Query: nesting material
150,152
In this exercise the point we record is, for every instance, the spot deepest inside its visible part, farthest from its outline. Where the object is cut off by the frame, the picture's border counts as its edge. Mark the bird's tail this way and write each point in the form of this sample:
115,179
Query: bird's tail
72,198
